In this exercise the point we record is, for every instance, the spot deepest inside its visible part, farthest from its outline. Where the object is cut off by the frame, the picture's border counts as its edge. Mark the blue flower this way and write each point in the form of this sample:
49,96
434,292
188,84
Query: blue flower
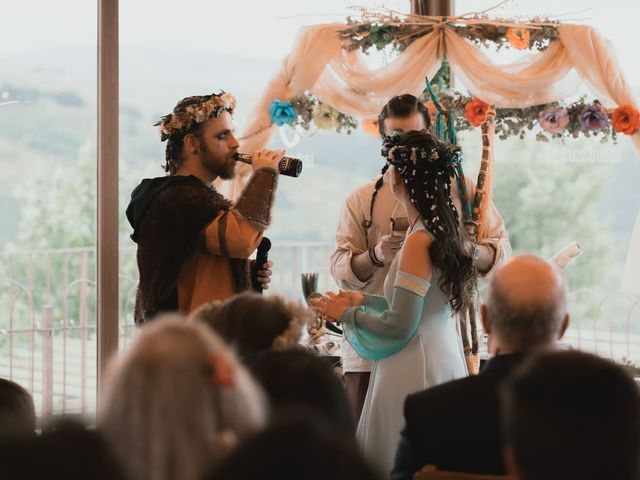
282,113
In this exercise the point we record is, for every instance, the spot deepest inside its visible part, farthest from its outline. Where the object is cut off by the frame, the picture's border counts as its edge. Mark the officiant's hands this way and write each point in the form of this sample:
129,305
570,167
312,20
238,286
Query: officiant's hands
332,305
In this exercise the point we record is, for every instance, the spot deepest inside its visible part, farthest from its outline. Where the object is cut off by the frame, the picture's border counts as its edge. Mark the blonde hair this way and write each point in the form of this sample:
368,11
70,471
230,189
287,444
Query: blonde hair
163,413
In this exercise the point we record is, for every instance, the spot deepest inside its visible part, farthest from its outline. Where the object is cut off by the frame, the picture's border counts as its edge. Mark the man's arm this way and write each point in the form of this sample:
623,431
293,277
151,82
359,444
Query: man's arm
236,233
353,264
350,264
495,249
362,266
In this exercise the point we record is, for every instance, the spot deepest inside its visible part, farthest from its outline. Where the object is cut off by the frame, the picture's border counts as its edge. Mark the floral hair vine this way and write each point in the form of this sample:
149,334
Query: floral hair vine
446,158
183,118
441,160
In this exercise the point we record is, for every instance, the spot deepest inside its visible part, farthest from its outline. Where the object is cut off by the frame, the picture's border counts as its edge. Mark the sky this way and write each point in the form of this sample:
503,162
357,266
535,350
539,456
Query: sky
179,43
615,19
232,26
262,28
265,29
156,34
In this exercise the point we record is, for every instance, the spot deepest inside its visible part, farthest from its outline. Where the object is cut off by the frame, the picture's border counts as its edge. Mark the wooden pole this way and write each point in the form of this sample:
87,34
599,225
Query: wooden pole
438,8
108,145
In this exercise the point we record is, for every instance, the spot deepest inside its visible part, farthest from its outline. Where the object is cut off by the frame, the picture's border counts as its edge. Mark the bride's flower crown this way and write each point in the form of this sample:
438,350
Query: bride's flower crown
183,118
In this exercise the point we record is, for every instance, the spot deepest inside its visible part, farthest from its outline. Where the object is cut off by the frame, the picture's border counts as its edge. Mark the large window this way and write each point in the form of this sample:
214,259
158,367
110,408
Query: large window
553,193
48,150
237,48
47,202
550,194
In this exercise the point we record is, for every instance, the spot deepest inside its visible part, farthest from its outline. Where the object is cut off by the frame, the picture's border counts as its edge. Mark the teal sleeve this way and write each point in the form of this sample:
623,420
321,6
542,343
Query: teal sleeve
375,303
380,334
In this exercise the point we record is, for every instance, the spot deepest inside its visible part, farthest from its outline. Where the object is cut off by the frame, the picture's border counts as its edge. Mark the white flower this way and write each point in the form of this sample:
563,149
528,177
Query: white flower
324,116
200,115
206,110
197,113
229,101
176,123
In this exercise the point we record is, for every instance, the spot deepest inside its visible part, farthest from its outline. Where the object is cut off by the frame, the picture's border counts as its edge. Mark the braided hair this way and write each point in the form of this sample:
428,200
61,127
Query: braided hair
427,165
400,106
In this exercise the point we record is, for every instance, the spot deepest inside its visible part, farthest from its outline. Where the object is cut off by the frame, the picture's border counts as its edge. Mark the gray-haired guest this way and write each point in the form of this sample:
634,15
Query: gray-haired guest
525,312
177,401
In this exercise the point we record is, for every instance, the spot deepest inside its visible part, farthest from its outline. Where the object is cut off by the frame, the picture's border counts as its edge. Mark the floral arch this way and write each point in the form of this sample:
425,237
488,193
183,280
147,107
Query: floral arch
324,80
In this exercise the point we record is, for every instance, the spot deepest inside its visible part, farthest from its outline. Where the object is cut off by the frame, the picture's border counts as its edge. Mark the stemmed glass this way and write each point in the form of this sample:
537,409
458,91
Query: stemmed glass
309,291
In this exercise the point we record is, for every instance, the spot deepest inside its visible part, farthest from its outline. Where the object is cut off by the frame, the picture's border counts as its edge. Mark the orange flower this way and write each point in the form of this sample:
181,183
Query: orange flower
518,38
475,111
432,110
222,371
370,127
626,119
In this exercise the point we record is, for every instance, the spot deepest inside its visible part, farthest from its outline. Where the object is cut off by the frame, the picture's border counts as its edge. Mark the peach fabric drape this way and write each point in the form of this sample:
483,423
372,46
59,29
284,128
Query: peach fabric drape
318,64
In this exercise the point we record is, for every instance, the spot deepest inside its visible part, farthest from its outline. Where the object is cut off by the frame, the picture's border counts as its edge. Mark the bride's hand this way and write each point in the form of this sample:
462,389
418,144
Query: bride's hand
331,306
354,297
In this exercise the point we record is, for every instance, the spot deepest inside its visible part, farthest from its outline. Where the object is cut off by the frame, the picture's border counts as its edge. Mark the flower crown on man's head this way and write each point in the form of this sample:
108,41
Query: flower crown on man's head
184,117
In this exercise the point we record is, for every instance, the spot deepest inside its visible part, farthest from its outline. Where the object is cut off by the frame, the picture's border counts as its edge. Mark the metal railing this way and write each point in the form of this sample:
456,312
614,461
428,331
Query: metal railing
48,312
48,326
605,323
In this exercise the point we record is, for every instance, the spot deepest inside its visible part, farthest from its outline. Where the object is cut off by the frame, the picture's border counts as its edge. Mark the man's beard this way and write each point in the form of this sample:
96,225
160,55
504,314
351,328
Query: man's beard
223,168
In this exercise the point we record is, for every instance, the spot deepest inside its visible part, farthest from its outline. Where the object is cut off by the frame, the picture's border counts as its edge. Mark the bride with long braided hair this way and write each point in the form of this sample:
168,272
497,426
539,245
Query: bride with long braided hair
410,332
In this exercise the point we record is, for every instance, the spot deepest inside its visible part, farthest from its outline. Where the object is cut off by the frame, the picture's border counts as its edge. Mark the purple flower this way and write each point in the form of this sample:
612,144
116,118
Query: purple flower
282,113
592,118
553,119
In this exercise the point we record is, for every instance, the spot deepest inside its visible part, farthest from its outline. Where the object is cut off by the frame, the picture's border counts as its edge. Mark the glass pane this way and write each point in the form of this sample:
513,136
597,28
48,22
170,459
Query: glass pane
47,202
224,54
553,193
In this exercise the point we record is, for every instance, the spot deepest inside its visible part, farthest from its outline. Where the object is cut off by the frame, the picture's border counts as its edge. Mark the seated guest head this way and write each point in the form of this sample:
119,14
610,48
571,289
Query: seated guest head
177,401
298,379
571,415
253,323
294,448
48,455
525,312
526,306
17,413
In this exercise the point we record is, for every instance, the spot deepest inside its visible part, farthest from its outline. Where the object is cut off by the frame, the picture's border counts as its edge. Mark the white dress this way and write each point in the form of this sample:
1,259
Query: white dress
433,355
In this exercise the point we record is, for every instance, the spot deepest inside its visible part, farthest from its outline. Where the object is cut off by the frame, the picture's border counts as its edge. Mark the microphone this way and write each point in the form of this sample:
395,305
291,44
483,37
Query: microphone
262,256
289,166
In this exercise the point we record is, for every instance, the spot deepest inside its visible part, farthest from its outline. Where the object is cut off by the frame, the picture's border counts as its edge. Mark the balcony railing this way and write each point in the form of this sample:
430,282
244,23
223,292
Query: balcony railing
48,321
48,326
